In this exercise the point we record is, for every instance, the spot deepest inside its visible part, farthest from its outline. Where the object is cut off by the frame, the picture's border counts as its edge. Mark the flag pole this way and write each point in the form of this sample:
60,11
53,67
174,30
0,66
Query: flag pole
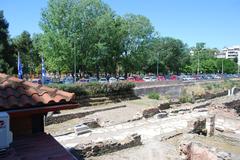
43,70
19,67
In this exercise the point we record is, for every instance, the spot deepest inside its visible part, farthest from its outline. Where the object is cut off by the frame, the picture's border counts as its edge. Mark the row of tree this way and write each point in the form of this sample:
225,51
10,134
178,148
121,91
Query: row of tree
102,42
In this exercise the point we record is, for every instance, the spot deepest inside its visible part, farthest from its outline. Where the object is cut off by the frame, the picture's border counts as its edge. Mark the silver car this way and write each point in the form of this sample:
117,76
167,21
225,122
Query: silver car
103,80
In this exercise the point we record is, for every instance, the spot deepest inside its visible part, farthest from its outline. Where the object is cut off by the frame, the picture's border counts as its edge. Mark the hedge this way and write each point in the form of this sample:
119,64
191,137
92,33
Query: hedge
95,89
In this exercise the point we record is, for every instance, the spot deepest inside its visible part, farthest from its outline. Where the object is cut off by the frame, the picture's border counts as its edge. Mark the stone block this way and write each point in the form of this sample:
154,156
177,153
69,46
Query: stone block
81,129
150,112
90,122
108,146
161,115
190,150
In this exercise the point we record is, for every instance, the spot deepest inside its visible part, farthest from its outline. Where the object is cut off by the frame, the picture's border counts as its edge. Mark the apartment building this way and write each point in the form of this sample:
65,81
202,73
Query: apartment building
230,53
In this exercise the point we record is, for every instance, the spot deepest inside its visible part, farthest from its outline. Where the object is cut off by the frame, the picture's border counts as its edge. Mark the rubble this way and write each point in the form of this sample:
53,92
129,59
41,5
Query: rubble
197,126
162,114
150,112
190,150
90,122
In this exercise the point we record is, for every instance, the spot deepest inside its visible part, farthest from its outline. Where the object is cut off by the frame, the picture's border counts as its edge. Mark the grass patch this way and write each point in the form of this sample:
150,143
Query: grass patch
153,95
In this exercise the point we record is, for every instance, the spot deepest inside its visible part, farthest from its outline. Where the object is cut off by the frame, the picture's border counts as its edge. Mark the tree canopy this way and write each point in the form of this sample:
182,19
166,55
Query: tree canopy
7,59
102,42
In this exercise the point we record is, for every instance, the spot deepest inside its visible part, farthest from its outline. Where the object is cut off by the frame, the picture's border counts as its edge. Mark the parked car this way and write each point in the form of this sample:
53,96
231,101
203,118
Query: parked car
112,80
153,78
83,80
103,80
161,78
147,79
138,79
188,78
38,81
93,79
121,79
216,76
131,79
173,77
68,80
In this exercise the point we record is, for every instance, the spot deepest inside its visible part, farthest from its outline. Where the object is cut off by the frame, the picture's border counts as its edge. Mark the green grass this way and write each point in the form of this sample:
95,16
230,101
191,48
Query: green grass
153,95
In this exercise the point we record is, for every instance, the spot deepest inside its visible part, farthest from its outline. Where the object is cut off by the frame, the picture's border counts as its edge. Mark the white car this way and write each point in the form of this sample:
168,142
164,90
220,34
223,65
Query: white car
216,77
93,79
188,78
147,79
153,78
112,80
103,80
121,78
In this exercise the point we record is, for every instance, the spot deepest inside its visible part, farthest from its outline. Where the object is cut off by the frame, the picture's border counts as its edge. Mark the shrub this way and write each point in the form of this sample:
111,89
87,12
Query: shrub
153,95
95,89
186,97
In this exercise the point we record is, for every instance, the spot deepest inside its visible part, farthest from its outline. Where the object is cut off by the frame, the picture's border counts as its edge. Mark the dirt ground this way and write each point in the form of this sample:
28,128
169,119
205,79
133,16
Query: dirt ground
106,118
117,123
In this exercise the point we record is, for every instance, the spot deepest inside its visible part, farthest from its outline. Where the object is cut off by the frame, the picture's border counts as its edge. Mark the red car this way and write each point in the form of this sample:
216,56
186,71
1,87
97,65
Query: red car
131,79
138,79
173,77
135,79
161,78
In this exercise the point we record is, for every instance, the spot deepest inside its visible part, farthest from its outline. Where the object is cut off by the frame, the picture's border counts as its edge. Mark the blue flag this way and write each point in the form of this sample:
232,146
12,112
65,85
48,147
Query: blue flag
43,71
20,72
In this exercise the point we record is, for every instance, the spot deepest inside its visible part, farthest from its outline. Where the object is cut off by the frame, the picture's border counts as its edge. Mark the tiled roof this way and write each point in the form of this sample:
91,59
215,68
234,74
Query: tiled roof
18,94
36,147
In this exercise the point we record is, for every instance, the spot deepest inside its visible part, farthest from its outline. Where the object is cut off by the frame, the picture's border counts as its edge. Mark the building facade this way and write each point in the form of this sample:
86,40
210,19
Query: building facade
230,53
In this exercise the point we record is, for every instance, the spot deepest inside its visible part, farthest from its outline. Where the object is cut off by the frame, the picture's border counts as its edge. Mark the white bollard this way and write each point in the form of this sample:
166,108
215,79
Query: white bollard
229,92
232,91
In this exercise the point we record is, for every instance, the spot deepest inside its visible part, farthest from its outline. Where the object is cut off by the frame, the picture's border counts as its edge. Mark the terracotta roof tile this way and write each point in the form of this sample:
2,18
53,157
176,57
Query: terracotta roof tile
18,94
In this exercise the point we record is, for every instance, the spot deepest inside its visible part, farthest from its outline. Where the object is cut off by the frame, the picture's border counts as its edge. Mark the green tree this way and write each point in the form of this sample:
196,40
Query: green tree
7,58
229,66
138,31
24,46
84,27
204,57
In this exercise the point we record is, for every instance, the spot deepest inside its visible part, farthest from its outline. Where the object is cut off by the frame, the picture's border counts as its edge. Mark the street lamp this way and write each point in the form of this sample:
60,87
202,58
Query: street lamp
157,63
222,65
198,63
75,60
75,65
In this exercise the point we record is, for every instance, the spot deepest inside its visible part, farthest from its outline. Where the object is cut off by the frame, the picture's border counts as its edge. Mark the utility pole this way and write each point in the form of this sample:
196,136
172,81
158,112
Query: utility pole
238,68
75,65
198,63
222,65
157,63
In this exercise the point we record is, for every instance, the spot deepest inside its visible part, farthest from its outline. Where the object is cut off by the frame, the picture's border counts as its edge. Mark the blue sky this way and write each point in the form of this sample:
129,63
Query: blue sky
215,22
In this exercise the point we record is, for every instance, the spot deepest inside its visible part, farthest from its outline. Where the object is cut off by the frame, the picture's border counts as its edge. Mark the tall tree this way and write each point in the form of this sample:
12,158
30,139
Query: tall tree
7,59
24,46
138,30
75,27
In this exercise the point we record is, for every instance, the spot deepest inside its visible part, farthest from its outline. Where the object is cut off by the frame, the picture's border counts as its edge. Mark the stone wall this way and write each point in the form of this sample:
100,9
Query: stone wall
171,90
55,119
100,148
175,91
104,99
227,124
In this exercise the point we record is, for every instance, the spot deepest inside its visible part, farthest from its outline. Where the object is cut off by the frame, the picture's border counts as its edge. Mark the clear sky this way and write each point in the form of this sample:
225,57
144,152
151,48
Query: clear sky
216,22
